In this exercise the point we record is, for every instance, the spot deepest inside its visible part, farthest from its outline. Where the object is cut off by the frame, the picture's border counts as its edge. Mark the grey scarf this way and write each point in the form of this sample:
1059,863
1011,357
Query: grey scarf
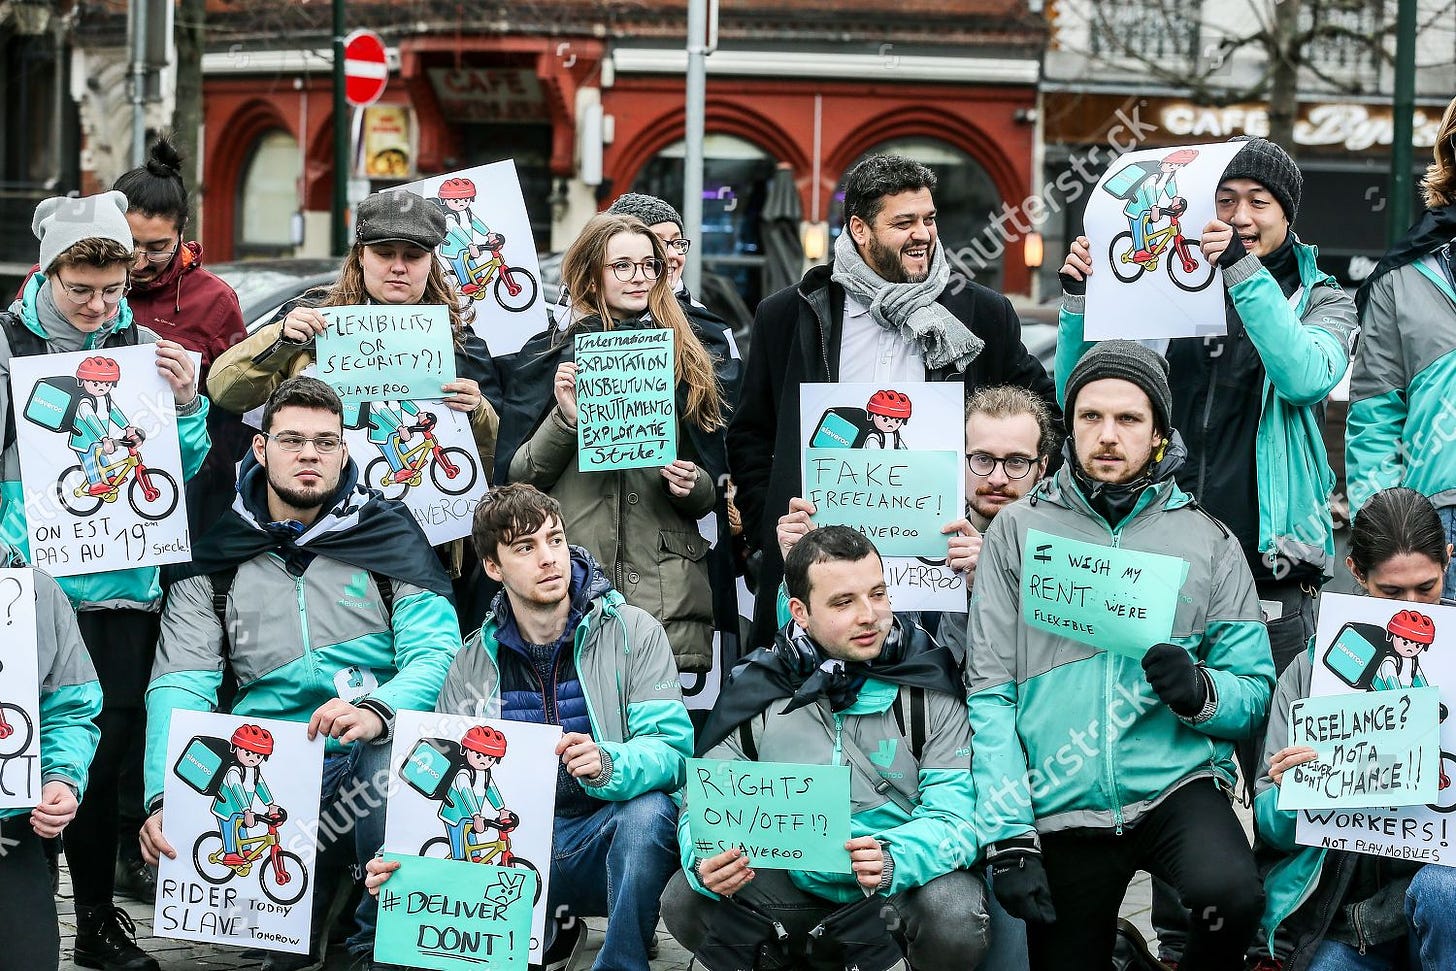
909,308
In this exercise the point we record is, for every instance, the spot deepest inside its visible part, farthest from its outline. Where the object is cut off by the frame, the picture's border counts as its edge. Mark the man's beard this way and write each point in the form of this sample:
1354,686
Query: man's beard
886,262
298,498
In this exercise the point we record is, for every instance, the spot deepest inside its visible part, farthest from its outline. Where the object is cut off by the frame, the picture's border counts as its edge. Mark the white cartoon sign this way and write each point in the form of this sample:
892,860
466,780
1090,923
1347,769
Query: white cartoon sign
19,692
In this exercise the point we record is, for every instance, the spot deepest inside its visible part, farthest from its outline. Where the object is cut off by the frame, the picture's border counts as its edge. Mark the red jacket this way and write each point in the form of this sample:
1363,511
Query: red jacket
191,306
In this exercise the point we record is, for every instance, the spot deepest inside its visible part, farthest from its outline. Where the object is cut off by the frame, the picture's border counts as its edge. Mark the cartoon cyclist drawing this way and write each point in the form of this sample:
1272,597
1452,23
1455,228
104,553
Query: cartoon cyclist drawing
465,231
1410,634
242,788
472,790
96,416
888,412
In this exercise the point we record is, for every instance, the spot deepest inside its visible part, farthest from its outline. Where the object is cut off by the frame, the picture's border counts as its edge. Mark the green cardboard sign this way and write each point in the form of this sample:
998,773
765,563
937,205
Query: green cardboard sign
900,499
449,914
626,400
1112,598
785,816
383,353
1376,749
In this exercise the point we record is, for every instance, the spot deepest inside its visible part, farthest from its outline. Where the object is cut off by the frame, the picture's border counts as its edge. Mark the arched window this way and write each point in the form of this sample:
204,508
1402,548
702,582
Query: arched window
268,197
735,182
966,201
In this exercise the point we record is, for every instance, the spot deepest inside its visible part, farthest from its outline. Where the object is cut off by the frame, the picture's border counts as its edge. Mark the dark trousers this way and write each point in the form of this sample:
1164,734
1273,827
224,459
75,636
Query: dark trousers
1193,841
28,927
121,644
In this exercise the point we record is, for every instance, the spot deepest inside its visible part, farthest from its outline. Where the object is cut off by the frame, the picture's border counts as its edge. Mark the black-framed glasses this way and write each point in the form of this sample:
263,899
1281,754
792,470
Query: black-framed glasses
156,256
679,246
625,269
81,296
1015,466
322,444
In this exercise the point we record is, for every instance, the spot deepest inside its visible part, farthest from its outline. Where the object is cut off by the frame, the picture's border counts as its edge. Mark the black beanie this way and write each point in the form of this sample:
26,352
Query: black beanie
1270,166
650,209
1127,361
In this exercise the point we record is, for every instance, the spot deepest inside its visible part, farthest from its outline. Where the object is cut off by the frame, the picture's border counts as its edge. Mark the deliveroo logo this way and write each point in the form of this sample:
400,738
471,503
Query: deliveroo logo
884,756
356,593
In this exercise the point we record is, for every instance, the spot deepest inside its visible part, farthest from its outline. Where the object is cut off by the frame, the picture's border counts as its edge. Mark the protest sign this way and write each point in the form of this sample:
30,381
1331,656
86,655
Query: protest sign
100,461
1376,749
1144,221
1369,644
625,400
379,351
1113,598
785,816
242,797
489,252
898,499
927,417
445,914
458,799
20,781
423,454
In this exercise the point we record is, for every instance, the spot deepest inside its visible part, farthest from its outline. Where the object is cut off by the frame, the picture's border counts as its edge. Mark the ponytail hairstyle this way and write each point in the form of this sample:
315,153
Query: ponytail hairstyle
1392,523
582,267
155,188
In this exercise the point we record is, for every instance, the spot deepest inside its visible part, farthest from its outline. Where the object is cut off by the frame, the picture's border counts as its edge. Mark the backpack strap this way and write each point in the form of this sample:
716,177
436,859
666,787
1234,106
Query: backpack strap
222,586
919,718
746,742
386,594
23,342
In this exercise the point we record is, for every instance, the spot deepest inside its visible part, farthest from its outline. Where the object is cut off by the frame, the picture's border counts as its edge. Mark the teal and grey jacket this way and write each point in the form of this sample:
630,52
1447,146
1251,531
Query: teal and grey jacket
139,587
1067,735
1402,409
294,641
70,695
628,680
1304,345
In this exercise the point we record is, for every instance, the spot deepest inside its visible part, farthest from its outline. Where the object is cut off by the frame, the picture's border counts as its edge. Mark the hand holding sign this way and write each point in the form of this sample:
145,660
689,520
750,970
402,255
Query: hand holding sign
564,388
783,815
625,395
378,352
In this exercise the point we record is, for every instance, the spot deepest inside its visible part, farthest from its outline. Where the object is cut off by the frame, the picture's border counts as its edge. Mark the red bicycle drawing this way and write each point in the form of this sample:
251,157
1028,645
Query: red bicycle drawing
1186,266
452,470
282,874
515,289
151,492
16,730
496,851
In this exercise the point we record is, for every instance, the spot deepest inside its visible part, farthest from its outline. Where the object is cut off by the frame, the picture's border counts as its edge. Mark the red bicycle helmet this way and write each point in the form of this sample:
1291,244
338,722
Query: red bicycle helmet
1181,157
1413,626
253,738
457,189
98,369
485,740
891,404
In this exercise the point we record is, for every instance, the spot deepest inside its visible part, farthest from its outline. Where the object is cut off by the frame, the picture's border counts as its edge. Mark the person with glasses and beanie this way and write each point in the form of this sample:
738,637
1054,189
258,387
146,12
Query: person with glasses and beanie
77,301
373,630
641,525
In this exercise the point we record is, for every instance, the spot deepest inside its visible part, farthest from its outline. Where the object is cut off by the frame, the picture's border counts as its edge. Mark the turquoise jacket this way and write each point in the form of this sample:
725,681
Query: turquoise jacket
461,802
70,695
630,685
235,798
92,426
384,420
139,587
1070,736
1401,420
1305,350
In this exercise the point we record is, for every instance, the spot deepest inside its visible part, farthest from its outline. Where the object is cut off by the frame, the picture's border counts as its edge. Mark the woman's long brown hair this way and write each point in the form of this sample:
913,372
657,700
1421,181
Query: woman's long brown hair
581,270
349,290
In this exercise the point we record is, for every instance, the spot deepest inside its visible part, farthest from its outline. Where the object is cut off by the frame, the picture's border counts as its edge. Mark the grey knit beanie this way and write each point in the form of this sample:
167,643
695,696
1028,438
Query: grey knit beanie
1270,166
650,209
1127,361
63,221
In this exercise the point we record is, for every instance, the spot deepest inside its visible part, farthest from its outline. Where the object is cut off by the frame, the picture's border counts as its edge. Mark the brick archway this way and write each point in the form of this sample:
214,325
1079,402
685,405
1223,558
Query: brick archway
228,161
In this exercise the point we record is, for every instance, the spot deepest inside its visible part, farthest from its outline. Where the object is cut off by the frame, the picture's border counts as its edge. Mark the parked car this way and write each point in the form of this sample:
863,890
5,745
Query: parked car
263,286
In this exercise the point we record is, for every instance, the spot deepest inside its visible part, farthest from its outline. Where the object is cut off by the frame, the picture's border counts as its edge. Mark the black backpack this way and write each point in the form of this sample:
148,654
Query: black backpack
25,342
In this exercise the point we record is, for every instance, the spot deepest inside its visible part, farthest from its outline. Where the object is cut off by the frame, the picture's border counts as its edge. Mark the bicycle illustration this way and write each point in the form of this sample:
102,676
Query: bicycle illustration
16,730
515,289
282,875
151,492
481,850
1186,266
452,470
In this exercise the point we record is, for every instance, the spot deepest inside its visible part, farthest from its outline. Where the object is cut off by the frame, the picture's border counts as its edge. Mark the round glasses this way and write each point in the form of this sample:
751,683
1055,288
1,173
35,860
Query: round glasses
81,296
625,270
1015,466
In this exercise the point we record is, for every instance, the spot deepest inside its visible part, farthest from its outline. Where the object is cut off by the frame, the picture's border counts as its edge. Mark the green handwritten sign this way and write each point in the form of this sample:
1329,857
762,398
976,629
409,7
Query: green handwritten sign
785,816
1376,749
899,499
1116,599
449,914
383,353
626,400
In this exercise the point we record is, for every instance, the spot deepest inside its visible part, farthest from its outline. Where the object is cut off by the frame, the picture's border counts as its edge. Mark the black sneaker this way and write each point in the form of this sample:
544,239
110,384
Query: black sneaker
106,939
135,879
568,943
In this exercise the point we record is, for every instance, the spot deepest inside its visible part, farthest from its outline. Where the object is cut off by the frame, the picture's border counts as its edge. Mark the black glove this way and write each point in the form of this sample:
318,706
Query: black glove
1073,286
1176,679
1233,252
1020,883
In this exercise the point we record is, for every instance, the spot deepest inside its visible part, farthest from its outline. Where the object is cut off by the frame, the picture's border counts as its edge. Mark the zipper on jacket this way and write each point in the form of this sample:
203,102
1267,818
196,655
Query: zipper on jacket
1207,417
1359,931
1107,713
298,592
838,738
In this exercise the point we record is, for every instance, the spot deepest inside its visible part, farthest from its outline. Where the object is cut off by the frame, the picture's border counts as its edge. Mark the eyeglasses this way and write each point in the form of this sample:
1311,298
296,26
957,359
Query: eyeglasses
625,269
322,444
1015,466
81,296
678,246
155,256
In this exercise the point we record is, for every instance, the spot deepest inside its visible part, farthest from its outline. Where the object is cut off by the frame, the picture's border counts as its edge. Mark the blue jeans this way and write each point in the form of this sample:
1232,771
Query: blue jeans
91,464
1008,936
352,805
456,833
229,832
614,863
1430,944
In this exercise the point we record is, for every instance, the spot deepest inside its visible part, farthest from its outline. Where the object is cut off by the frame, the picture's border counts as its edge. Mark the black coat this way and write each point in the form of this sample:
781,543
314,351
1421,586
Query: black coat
796,337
